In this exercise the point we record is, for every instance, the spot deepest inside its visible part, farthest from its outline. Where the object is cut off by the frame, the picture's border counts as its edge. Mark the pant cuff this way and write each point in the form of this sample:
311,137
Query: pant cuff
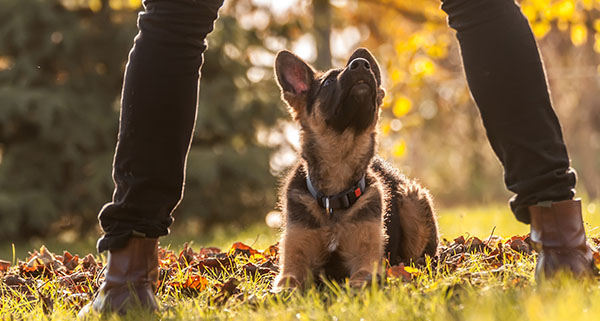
115,241
522,213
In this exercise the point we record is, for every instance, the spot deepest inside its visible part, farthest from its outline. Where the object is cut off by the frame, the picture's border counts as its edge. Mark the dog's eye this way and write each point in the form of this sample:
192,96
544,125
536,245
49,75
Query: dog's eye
327,82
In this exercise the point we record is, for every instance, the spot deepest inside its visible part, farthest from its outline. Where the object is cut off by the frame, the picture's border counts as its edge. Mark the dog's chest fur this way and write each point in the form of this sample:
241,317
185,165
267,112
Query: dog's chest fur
335,161
301,208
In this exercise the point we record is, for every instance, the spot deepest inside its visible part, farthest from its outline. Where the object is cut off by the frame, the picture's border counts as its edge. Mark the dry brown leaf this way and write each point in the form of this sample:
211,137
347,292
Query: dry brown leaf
399,271
4,266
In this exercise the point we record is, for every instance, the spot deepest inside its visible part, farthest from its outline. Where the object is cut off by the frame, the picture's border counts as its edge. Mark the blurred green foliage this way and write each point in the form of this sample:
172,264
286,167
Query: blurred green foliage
58,89
61,71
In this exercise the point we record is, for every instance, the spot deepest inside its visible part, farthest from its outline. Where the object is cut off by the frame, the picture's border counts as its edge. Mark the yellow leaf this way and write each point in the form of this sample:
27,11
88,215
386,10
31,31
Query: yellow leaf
402,107
565,9
540,4
541,29
416,41
116,4
437,51
548,13
578,34
134,4
385,128
596,257
95,5
530,12
397,75
412,270
399,149
597,25
423,66
597,43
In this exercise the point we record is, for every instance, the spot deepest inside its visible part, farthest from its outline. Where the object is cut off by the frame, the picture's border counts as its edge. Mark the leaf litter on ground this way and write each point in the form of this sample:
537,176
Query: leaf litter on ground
46,277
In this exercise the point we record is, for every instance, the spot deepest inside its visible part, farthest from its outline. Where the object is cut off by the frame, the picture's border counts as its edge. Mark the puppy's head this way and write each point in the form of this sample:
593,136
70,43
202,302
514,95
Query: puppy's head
338,100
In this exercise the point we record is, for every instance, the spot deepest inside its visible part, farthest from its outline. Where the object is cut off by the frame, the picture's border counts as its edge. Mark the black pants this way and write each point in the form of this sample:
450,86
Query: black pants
502,65
158,111
507,81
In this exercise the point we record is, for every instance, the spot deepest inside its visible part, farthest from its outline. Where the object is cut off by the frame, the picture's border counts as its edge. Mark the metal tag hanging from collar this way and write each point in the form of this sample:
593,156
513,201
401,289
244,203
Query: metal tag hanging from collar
328,210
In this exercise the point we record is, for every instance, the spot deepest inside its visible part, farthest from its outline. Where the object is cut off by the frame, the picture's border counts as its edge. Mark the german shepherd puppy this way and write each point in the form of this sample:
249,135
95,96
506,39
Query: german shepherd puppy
345,209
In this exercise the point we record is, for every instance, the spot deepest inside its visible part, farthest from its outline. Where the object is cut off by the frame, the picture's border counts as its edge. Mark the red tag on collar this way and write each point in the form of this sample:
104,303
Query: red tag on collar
357,192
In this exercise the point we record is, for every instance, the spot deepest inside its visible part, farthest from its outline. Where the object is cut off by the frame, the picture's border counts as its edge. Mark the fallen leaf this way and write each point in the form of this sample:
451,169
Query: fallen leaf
230,286
219,263
272,251
596,256
13,280
399,271
4,266
460,240
228,289
241,248
193,282
89,262
261,270
520,246
475,245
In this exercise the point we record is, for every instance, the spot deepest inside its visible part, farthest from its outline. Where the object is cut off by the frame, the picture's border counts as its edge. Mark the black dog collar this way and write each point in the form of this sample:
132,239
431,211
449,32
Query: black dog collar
341,200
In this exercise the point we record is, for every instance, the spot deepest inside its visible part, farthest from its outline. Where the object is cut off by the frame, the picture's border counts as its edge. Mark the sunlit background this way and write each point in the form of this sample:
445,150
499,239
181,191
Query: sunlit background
61,67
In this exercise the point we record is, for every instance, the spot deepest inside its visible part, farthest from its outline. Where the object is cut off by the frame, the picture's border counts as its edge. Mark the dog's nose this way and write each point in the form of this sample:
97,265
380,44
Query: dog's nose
360,63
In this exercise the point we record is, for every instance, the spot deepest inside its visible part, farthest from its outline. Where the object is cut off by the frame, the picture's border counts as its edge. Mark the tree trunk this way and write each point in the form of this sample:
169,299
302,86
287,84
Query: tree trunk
322,32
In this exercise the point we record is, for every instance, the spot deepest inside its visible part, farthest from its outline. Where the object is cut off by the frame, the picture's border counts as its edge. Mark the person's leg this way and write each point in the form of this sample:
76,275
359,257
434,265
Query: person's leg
507,80
158,112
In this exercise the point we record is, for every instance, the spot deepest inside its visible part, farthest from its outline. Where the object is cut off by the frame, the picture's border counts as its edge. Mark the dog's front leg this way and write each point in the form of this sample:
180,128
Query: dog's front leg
302,250
361,246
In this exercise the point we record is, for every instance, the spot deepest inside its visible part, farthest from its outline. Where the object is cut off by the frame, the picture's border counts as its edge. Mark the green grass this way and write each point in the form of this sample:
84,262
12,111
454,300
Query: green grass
471,292
475,220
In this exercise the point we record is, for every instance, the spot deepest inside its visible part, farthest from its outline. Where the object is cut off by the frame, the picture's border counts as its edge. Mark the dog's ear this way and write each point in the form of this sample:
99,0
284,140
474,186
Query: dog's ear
294,77
366,54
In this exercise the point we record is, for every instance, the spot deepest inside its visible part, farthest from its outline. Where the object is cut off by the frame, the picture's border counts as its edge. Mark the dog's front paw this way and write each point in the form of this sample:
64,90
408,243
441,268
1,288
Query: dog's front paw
285,282
360,279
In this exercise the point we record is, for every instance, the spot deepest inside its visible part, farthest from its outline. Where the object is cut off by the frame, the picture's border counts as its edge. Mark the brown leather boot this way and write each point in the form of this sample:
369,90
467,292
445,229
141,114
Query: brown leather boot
557,231
131,279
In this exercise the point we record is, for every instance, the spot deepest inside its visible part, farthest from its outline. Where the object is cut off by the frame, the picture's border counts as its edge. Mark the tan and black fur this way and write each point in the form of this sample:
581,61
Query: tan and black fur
393,219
